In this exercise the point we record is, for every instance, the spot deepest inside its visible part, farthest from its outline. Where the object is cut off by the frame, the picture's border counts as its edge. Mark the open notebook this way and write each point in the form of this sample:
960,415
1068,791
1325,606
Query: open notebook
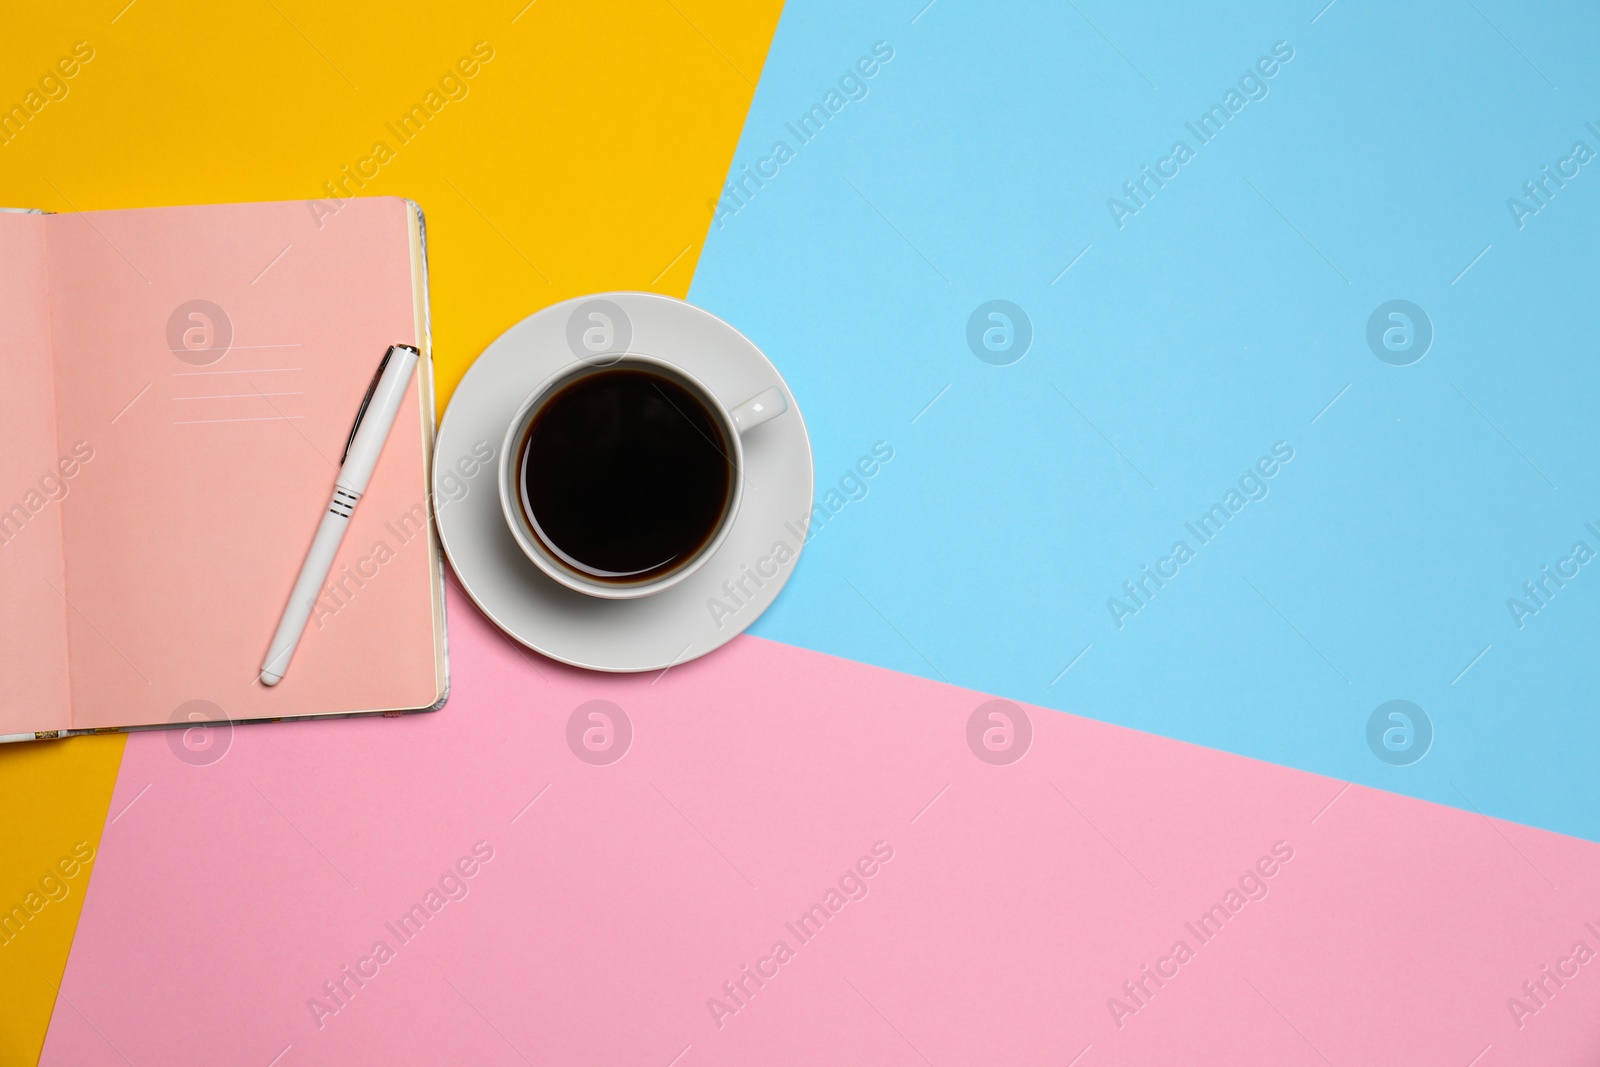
178,387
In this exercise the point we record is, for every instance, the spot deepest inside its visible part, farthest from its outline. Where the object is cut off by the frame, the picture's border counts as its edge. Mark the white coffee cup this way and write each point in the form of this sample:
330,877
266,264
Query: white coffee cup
519,514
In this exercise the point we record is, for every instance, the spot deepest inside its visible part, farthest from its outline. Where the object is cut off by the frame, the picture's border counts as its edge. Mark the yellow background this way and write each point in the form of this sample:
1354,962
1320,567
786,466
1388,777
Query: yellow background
584,157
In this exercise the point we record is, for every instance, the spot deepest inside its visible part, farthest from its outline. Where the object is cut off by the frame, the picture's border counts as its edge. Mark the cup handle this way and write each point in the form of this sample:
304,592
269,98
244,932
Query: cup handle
763,407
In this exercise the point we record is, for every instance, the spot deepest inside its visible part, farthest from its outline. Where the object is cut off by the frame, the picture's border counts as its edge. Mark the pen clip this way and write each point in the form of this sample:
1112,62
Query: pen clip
361,412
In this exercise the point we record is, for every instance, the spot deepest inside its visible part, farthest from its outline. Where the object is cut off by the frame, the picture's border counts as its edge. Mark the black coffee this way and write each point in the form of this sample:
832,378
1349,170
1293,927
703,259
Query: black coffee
625,474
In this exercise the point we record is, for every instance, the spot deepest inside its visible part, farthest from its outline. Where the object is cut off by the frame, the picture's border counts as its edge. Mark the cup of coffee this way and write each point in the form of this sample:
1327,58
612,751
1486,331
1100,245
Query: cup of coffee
621,478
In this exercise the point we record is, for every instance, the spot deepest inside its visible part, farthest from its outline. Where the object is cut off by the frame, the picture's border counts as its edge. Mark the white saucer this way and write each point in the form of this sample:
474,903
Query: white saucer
703,612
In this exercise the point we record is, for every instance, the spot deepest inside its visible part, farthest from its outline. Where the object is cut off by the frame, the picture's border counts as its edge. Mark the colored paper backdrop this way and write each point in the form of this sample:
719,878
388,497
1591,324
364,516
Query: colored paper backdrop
1336,346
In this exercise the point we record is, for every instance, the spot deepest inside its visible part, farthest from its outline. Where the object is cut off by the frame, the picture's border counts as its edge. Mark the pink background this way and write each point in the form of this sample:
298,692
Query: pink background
1018,900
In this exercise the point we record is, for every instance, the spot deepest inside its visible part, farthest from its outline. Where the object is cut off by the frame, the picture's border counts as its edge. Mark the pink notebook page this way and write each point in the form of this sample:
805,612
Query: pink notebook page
210,469
33,622
557,881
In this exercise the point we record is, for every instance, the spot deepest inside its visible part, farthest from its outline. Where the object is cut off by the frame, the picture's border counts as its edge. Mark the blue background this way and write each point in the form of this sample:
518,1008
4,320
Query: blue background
1221,318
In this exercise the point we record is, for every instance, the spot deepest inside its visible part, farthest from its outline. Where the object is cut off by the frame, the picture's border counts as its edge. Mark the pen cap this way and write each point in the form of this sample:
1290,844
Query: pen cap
376,417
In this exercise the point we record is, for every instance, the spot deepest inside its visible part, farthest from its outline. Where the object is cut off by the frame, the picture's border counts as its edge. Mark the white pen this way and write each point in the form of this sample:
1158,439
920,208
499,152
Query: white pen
374,419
